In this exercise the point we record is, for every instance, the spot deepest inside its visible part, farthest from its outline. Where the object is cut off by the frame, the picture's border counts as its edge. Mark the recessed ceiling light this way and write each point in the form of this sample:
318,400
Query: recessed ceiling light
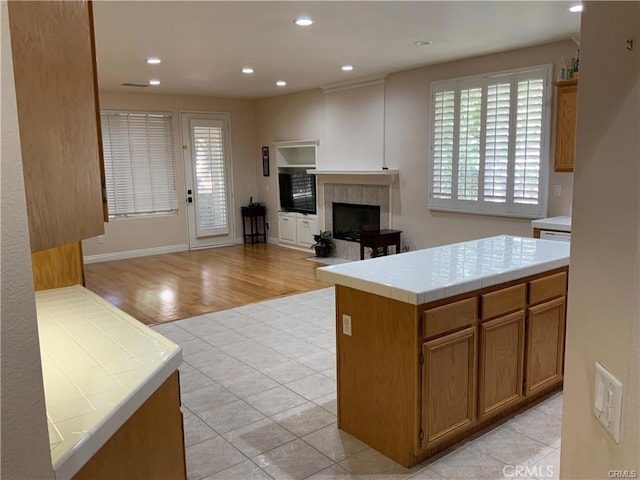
576,8
347,68
303,21
153,60
421,43
154,81
281,83
247,70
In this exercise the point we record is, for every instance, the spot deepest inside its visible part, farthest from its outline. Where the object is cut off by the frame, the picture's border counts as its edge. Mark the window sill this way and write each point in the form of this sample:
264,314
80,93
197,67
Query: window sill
522,216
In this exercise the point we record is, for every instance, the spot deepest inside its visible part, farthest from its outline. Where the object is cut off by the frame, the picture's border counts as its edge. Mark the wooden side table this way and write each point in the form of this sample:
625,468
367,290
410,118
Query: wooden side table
379,238
256,230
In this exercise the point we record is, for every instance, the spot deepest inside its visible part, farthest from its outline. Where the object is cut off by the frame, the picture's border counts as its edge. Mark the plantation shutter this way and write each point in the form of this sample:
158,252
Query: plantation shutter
496,157
443,138
210,186
526,188
139,160
487,144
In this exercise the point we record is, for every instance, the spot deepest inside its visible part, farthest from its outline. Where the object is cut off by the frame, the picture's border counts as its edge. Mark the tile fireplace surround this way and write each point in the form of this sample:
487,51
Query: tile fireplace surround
358,194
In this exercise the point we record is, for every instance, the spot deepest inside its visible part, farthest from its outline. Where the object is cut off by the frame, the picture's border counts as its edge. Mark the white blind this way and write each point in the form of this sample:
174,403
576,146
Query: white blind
488,144
139,161
211,194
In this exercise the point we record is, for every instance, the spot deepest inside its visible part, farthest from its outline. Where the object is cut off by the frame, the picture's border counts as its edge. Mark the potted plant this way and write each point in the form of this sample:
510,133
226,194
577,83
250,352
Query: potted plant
324,243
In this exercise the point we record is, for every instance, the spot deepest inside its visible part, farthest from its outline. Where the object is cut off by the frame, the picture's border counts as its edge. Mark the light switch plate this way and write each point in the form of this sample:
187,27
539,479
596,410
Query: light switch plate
346,324
607,405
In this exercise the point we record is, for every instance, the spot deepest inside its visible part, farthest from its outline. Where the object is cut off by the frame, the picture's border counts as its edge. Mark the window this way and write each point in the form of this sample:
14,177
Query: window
489,149
139,163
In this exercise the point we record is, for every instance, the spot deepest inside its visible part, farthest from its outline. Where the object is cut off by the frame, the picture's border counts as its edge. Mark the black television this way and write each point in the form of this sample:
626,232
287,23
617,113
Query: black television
297,192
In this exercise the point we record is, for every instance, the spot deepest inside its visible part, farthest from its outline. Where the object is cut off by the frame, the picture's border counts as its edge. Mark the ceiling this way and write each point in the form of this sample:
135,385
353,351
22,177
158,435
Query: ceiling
204,44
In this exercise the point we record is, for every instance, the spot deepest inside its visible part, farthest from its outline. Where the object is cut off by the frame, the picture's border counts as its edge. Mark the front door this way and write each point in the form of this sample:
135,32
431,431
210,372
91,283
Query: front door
208,177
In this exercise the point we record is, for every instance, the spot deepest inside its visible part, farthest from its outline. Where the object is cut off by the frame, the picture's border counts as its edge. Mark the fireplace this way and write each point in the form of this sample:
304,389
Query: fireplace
350,219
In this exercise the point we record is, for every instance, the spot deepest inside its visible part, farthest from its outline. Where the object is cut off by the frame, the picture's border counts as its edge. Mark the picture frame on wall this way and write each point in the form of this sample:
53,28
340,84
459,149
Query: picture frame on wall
265,161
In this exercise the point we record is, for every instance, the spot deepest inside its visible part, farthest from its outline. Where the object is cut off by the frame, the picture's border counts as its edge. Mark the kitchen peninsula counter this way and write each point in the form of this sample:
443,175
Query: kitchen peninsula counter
111,388
436,344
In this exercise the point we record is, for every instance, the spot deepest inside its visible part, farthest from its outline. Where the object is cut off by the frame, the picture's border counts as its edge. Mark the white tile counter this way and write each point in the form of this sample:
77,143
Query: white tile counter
427,275
560,224
99,366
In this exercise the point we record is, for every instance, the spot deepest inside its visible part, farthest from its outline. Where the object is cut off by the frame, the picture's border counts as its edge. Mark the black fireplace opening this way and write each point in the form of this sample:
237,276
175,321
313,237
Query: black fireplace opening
350,219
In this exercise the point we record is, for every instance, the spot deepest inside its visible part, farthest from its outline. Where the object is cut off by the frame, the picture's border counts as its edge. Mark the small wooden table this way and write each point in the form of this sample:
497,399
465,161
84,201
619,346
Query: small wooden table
256,231
379,238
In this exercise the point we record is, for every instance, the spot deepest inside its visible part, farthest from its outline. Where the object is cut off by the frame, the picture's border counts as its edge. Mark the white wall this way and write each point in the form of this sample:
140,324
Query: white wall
25,439
406,133
152,232
604,285
299,116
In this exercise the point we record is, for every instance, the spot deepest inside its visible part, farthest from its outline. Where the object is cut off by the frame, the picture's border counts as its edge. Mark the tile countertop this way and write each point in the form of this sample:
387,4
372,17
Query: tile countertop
427,275
561,224
99,366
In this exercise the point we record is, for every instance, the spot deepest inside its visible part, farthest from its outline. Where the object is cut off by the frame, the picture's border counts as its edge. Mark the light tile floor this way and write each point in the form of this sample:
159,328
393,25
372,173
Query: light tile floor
259,402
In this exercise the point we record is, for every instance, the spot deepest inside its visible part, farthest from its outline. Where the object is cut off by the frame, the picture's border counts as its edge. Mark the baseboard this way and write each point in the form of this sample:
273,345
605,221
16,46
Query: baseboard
143,252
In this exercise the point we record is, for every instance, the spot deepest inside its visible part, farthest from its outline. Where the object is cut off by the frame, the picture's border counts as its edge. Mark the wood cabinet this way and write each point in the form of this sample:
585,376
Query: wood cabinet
58,114
566,116
501,353
448,385
545,345
414,379
297,229
149,445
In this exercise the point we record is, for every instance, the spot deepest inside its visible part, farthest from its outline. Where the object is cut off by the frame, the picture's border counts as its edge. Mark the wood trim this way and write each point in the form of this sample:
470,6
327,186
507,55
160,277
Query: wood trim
501,368
545,345
149,445
58,267
503,301
103,178
536,233
547,287
448,385
446,318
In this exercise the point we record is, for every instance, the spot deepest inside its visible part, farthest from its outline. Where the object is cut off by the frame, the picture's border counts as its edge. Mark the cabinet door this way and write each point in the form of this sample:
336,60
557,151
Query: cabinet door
287,228
545,345
501,363
566,114
448,385
306,229
58,117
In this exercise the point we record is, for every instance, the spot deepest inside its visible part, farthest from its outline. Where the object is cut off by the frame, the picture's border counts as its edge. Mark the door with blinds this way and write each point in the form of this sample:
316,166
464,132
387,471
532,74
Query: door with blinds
208,179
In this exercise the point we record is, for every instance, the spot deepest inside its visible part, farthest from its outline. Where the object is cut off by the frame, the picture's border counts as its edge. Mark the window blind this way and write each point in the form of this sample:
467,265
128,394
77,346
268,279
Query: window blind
211,198
488,144
139,161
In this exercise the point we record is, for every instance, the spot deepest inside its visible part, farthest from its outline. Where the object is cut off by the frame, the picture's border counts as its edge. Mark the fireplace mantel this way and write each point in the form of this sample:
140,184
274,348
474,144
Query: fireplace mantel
381,177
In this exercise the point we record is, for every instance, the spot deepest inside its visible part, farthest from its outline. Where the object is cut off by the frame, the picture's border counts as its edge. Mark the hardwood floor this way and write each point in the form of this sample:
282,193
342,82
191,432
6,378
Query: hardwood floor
169,287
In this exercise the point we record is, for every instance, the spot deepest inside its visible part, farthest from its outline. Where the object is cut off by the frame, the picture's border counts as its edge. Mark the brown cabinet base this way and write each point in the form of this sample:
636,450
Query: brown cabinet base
149,445
410,389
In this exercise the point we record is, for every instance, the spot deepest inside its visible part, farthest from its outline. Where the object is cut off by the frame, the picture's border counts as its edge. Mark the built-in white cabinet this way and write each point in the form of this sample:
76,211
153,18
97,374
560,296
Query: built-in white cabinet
297,202
297,229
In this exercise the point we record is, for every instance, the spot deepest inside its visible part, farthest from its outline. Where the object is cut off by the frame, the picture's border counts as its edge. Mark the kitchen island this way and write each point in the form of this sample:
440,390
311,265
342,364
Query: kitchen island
436,344
112,390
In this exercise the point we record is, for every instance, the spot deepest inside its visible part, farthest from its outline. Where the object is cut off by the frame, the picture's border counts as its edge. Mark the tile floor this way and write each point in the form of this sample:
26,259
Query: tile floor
259,401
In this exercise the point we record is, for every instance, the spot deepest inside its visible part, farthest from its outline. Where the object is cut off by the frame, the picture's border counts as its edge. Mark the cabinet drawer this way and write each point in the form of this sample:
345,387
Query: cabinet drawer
449,317
547,287
503,301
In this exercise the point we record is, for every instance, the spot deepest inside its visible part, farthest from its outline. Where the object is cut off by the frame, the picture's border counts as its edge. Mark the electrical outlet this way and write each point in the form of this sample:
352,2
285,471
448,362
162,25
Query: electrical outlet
101,239
557,190
346,324
608,401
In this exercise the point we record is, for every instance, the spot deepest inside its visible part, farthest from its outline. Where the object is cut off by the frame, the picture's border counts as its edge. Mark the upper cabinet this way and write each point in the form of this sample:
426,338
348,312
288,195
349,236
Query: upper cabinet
58,115
566,114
